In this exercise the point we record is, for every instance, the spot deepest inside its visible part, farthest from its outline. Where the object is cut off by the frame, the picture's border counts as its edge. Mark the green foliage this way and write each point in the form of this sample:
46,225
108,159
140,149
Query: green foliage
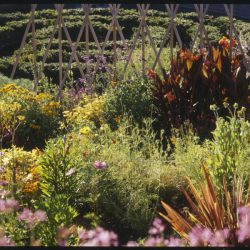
127,192
38,115
25,83
56,164
129,97
12,28
230,153
59,213
188,153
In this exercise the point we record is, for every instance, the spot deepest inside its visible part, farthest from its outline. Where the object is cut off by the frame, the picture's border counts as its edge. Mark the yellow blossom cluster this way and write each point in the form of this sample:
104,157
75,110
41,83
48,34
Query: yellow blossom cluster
26,167
91,110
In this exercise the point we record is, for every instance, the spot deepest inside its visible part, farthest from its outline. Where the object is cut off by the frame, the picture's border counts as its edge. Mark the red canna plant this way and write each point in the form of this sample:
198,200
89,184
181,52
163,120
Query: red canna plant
210,210
197,80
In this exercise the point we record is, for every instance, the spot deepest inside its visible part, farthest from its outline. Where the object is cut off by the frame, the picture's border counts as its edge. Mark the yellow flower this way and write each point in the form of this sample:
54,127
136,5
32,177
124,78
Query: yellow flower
85,130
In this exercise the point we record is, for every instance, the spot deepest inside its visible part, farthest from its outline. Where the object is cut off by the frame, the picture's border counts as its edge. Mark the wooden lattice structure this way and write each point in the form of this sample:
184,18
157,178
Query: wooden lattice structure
143,32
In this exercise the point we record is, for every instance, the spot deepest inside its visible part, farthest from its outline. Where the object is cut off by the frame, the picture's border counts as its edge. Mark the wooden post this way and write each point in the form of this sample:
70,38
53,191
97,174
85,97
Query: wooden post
33,8
34,45
114,44
86,9
60,8
143,39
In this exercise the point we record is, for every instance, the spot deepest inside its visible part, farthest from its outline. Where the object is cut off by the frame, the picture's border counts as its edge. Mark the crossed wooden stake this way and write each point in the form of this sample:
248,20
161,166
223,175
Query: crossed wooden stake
114,27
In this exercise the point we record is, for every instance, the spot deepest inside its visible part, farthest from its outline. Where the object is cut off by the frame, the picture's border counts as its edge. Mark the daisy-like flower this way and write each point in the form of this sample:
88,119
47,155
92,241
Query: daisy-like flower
100,165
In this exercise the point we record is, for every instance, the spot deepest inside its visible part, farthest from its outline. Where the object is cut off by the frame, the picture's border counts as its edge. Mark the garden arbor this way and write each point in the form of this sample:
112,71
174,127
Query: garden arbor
141,36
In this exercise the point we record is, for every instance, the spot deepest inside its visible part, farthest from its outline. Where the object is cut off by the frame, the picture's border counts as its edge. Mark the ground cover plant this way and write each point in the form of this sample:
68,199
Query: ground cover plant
145,161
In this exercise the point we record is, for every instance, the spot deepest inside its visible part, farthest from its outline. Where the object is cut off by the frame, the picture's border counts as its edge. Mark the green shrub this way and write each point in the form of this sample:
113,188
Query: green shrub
230,152
39,112
25,83
188,153
129,97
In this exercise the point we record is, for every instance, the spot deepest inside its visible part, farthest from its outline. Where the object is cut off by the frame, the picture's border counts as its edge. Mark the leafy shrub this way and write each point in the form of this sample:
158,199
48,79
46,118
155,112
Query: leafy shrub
217,213
229,149
194,82
137,174
133,98
21,172
35,118
188,152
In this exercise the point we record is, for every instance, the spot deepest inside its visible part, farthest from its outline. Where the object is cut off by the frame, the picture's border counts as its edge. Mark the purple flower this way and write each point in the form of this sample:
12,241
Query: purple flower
1,153
243,232
40,215
3,183
100,165
206,237
219,238
70,172
32,218
8,205
62,236
98,237
174,242
5,241
157,227
200,236
154,241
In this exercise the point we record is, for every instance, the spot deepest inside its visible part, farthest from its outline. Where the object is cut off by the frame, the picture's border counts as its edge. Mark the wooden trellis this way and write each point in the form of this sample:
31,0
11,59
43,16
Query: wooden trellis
143,32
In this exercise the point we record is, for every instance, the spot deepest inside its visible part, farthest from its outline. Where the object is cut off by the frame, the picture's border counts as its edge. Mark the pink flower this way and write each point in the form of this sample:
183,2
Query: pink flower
132,244
5,241
3,183
157,227
200,236
70,172
219,238
40,215
154,241
174,242
100,165
8,205
32,218
243,232
98,237
62,236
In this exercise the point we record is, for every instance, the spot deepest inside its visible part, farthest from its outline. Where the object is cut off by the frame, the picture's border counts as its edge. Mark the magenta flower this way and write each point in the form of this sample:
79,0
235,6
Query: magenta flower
70,172
32,218
100,165
98,237
206,237
3,183
243,232
157,227
220,238
154,241
62,236
174,242
6,241
8,205
200,236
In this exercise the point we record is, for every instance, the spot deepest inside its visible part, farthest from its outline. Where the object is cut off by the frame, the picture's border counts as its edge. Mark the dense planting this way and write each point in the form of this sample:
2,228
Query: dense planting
148,161
12,30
